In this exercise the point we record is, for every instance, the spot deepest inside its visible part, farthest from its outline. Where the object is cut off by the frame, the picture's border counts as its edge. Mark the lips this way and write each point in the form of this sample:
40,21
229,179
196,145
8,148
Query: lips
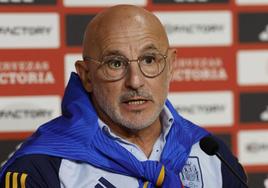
136,101
136,104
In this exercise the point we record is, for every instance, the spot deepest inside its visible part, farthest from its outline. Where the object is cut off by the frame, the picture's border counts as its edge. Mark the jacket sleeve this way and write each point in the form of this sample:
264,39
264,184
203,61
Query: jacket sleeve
229,180
32,171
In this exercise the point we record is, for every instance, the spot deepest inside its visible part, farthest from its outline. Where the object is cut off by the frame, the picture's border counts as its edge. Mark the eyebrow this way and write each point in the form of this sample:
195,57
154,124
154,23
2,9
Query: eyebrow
112,52
150,47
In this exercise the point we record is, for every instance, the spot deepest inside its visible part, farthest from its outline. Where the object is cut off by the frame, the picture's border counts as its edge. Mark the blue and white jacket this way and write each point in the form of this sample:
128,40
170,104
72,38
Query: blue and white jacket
78,150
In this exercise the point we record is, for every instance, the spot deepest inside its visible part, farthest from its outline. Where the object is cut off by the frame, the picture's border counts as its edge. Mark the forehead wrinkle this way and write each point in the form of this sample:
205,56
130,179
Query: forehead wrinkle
141,42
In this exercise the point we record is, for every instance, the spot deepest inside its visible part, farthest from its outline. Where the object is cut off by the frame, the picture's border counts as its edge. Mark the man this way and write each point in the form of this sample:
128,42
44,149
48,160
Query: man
117,128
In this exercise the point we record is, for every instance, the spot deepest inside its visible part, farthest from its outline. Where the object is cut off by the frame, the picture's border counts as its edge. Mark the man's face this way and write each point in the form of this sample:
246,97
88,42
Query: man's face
135,101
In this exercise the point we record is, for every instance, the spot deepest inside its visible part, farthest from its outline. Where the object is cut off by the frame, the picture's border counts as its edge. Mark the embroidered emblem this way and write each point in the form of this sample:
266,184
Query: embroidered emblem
191,174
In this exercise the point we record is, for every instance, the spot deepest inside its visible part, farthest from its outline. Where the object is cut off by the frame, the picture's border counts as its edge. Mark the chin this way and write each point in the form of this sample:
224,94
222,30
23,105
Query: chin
136,126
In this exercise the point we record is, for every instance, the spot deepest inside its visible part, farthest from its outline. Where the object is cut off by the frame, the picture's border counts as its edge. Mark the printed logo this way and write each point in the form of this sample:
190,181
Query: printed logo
27,2
69,67
259,180
213,108
256,147
197,28
253,150
253,27
263,36
189,1
191,174
253,107
200,69
103,2
26,113
25,30
76,25
257,62
264,114
26,72
21,71
250,2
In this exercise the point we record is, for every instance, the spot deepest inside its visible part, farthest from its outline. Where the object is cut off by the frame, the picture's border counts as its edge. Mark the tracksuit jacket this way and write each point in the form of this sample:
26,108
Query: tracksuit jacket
54,157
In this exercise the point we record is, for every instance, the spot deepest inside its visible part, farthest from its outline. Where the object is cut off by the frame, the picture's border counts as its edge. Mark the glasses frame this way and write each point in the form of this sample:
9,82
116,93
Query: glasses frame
164,56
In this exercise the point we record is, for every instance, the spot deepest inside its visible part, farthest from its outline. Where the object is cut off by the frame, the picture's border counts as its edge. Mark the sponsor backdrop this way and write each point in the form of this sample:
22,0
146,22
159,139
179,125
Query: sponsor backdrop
220,80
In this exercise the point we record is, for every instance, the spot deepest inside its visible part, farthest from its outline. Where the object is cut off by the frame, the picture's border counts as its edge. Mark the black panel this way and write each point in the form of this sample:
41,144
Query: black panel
253,27
7,147
253,107
75,28
258,180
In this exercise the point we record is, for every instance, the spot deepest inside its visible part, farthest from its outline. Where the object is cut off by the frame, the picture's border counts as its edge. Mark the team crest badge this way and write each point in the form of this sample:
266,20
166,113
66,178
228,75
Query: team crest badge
191,174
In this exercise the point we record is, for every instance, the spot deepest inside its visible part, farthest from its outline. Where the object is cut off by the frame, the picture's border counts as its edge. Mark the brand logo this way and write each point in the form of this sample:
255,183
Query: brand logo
23,30
191,174
27,2
104,182
199,69
190,1
24,113
253,107
257,147
26,72
257,62
27,113
253,27
20,71
250,2
76,25
205,108
263,36
264,114
252,149
103,2
69,67
197,28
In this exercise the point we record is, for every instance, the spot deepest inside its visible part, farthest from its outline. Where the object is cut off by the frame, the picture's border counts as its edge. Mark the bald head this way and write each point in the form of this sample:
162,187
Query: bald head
124,20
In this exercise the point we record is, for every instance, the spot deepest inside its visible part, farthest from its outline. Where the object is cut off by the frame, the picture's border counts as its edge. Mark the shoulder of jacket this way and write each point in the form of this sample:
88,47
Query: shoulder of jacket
33,170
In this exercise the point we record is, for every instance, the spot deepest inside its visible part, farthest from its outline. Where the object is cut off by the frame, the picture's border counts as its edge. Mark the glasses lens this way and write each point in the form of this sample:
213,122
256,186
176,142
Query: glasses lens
114,67
152,64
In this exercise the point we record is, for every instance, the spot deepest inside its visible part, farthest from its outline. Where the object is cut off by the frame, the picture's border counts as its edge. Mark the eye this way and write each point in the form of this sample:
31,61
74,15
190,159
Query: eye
148,59
115,63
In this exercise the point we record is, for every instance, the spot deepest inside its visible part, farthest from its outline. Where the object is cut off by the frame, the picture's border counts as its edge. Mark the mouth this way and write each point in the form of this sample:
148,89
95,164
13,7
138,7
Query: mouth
136,104
136,101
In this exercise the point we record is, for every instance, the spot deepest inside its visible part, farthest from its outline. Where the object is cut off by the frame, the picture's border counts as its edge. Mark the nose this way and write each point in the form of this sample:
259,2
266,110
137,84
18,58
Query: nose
134,77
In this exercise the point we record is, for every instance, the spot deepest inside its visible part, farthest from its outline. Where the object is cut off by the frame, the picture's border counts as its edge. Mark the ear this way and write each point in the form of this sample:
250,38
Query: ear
84,74
172,62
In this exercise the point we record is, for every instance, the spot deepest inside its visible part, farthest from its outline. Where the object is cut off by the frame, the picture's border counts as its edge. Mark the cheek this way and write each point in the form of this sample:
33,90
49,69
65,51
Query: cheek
105,92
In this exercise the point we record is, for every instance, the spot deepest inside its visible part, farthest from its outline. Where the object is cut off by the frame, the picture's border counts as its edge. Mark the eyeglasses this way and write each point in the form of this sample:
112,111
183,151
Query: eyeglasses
115,67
